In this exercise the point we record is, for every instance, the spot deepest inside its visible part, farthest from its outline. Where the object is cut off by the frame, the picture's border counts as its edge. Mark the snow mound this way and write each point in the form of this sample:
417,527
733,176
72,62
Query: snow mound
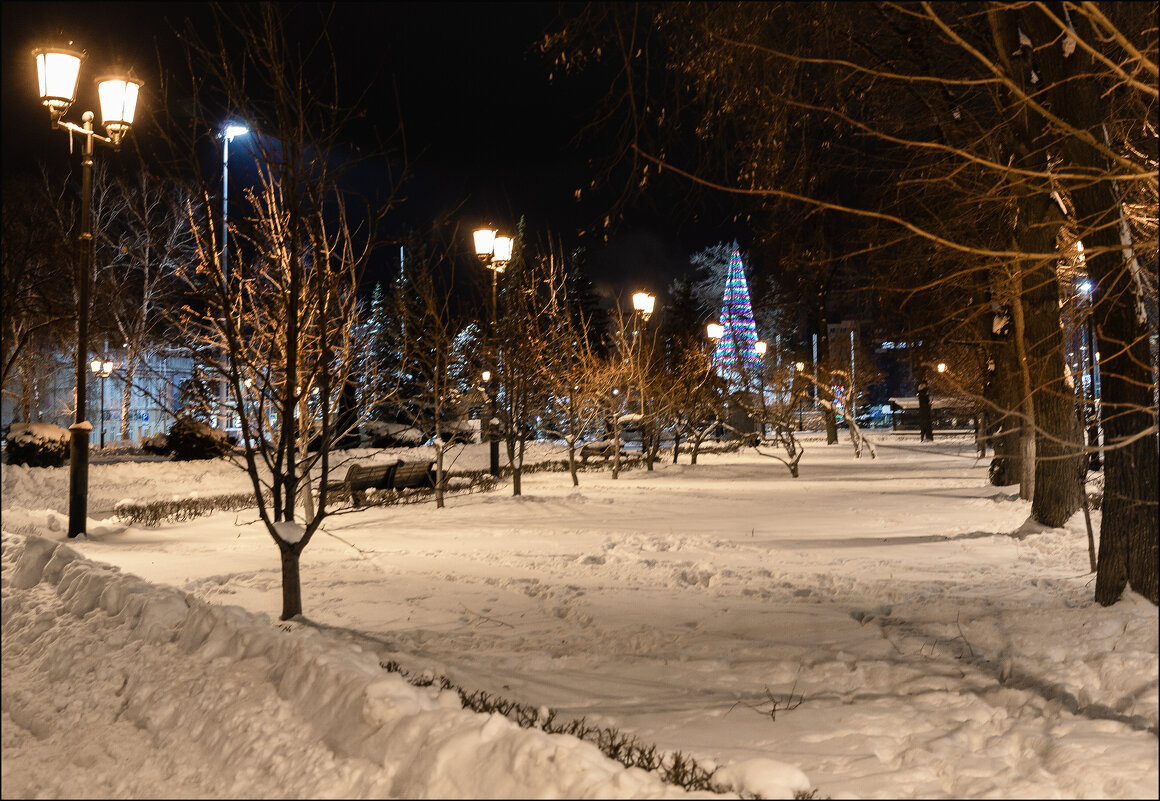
252,697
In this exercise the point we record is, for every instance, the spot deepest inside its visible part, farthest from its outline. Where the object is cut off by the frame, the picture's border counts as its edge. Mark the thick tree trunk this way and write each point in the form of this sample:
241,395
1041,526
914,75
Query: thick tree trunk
1006,439
1129,533
291,581
1058,438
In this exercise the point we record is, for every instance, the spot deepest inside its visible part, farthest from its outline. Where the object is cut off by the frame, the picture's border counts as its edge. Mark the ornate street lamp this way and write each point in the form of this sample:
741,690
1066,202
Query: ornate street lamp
57,71
102,368
642,305
494,252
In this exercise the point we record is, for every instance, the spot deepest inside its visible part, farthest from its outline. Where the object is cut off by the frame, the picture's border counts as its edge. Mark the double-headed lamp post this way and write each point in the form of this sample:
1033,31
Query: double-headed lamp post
104,369
57,70
494,252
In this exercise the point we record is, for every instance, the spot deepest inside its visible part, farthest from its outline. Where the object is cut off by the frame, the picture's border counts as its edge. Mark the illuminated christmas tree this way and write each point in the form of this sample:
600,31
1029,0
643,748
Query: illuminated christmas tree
735,359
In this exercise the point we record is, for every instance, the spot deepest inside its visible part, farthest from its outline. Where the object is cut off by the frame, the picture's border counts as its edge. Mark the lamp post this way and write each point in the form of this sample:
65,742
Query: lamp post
494,252
102,368
760,347
642,305
1093,419
714,331
57,71
228,133
800,366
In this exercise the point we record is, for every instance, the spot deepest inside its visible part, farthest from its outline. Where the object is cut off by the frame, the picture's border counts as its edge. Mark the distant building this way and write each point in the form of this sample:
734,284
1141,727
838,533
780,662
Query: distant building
51,395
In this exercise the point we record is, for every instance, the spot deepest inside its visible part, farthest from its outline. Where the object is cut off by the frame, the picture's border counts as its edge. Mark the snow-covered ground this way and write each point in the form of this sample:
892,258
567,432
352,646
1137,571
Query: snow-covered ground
888,628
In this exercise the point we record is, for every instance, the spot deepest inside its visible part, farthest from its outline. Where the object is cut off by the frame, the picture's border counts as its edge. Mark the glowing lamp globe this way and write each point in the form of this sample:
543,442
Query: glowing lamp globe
118,104
484,242
714,331
502,250
760,347
643,303
57,69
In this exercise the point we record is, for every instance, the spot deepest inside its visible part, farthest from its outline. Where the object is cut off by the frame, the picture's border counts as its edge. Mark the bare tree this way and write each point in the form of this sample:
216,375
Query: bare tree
285,313
36,262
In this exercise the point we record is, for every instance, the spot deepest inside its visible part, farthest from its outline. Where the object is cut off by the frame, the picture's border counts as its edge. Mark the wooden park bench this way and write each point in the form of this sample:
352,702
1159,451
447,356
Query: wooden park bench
360,478
397,475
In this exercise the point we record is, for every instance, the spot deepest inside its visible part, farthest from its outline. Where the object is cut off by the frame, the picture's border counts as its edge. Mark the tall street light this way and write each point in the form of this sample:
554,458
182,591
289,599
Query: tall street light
714,331
642,304
1092,369
800,368
228,133
102,368
494,252
57,70
760,347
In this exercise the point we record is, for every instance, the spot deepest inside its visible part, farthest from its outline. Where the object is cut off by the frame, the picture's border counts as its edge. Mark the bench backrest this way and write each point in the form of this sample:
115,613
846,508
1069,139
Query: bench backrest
414,474
378,476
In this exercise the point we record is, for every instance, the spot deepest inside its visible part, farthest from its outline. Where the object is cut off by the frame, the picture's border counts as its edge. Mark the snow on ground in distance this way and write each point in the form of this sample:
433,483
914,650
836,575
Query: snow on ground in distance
873,629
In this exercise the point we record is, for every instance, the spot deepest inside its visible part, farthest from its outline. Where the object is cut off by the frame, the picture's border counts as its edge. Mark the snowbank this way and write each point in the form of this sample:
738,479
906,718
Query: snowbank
258,706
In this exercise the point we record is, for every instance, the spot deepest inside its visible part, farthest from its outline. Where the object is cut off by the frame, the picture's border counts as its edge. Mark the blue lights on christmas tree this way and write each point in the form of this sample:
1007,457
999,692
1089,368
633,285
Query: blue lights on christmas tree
735,358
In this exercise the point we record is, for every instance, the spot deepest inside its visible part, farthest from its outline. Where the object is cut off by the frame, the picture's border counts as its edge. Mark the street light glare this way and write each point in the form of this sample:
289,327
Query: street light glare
118,104
233,129
57,70
502,253
643,302
484,241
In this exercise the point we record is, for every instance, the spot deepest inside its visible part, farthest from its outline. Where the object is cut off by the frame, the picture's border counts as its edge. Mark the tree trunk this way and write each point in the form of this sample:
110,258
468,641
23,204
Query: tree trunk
1058,439
1129,533
127,394
291,581
572,463
1005,431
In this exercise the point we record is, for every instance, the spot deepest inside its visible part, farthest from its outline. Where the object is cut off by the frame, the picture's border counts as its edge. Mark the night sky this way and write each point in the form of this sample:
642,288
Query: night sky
486,131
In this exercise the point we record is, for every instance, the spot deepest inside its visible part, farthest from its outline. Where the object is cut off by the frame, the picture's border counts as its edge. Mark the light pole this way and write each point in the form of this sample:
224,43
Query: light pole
642,304
57,71
760,347
714,331
228,133
800,366
102,368
1093,358
494,252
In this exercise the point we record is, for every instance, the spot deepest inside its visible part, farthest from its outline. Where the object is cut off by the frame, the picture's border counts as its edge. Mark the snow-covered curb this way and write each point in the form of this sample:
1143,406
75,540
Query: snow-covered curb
426,744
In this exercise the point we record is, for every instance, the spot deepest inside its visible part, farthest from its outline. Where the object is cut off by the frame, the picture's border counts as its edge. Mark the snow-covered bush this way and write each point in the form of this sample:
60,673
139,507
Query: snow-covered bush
191,439
393,435
37,444
156,445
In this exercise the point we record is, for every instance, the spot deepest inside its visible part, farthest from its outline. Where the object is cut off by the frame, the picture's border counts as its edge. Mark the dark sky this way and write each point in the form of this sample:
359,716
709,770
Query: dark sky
484,127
